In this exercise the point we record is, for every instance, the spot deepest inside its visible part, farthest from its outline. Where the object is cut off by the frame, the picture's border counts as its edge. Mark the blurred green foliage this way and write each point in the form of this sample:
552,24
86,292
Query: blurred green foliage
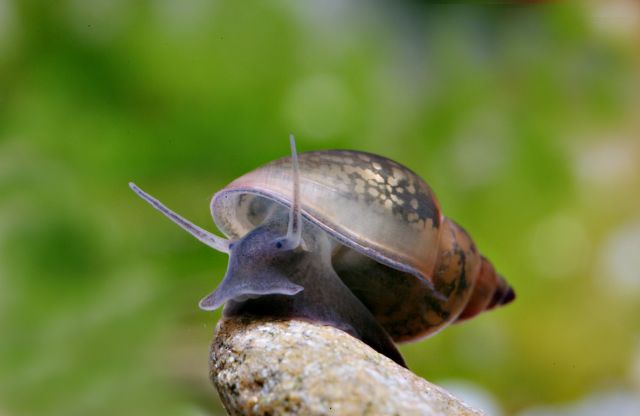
521,119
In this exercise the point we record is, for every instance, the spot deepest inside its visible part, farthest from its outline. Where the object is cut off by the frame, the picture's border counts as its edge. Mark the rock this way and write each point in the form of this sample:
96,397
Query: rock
267,367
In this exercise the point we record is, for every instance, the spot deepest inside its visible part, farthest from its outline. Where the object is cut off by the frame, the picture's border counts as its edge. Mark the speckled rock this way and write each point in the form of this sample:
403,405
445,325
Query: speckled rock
266,367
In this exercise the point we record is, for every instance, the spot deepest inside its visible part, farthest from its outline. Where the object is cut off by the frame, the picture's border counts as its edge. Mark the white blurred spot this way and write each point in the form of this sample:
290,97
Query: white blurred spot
635,369
480,151
620,18
318,106
559,246
98,20
609,163
183,16
473,395
620,259
333,23
615,403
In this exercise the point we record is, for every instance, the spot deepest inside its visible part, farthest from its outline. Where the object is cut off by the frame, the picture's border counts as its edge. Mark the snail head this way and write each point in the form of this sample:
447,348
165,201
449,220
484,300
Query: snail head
259,261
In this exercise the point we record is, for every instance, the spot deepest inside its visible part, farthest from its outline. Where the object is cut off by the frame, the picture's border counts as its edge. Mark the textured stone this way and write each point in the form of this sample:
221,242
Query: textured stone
266,367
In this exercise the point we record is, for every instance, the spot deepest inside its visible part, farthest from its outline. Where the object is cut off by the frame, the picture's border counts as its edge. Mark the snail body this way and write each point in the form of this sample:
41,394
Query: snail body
360,244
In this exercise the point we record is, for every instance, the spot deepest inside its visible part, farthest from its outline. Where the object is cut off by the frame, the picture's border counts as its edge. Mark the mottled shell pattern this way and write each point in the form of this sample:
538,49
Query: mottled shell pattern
416,270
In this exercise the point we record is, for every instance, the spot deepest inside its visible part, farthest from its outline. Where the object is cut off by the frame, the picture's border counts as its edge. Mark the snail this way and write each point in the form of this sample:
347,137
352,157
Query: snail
347,239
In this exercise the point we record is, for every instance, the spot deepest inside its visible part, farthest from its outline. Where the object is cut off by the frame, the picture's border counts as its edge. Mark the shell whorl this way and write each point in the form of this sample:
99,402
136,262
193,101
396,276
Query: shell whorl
467,277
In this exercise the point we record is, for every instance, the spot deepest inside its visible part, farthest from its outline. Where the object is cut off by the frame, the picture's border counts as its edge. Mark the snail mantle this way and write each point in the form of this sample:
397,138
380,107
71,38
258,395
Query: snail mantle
293,367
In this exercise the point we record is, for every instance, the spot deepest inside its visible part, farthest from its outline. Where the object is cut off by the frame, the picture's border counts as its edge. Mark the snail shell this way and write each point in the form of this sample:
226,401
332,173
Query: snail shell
413,268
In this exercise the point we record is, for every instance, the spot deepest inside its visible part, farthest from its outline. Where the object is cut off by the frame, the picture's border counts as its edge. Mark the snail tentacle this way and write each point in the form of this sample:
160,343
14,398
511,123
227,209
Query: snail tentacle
212,240
293,239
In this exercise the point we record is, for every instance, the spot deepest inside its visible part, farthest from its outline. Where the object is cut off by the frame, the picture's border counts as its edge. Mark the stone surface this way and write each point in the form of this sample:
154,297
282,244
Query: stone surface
266,367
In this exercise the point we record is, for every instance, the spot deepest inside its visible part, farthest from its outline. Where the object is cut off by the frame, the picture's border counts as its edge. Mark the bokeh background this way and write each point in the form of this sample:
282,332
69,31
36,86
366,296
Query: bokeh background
524,119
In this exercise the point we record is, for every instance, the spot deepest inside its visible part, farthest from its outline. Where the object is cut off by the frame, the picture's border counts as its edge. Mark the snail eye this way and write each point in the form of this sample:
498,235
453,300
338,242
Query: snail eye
283,244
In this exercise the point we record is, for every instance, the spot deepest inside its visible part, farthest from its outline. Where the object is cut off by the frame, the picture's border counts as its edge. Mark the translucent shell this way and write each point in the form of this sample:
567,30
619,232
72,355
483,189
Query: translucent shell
369,203
414,269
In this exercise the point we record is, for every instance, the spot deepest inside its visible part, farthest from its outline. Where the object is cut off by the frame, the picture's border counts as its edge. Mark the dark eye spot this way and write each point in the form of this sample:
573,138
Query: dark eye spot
231,245
279,244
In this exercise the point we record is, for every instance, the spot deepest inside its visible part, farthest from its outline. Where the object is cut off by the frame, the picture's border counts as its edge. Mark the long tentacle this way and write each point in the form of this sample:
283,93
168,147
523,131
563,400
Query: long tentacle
212,240
294,231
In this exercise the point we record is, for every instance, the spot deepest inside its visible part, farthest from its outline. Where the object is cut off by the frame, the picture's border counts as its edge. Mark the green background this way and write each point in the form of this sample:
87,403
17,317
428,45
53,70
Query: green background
523,119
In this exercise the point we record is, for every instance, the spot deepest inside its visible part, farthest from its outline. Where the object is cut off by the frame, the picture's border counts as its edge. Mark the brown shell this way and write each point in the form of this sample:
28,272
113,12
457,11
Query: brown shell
401,244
